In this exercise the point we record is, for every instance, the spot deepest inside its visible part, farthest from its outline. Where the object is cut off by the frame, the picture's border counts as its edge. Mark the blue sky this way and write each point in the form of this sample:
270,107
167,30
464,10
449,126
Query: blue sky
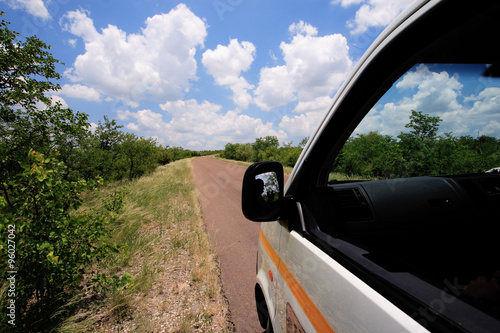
200,74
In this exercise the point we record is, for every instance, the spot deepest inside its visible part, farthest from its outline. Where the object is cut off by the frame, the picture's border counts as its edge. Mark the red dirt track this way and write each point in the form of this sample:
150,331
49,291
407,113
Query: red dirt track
234,237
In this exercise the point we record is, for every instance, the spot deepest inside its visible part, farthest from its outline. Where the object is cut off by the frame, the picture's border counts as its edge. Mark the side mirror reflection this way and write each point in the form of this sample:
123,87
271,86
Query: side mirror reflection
267,187
262,191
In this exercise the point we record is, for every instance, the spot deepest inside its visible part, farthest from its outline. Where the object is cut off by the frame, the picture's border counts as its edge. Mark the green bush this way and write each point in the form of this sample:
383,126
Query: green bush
54,246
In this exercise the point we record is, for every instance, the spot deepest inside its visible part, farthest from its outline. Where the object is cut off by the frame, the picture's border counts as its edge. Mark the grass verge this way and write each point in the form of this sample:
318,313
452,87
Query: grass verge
175,284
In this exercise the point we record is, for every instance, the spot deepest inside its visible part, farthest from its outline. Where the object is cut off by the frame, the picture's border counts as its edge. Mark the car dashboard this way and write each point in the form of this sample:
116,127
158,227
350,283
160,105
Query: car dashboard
434,229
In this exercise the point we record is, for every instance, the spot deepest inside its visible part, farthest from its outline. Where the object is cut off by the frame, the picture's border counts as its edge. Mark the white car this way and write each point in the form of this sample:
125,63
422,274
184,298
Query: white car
413,246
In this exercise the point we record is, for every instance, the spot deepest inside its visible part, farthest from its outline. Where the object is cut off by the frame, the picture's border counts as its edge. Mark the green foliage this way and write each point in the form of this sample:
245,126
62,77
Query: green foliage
264,149
238,151
303,142
28,119
369,155
115,155
48,158
20,64
54,247
418,146
139,153
418,152
102,282
288,156
115,202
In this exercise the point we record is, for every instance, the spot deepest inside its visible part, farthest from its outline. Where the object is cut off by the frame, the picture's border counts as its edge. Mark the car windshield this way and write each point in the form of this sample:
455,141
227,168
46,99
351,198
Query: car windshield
436,119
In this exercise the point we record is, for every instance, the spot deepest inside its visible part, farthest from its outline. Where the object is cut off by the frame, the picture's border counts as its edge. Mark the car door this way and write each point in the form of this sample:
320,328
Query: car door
401,247
316,293
387,222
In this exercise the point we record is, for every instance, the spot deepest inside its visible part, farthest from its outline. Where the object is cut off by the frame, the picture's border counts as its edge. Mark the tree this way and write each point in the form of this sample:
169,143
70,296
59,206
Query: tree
104,150
423,125
369,155
29,120
140,154
303,142
265,148
54,246
108,134
418,146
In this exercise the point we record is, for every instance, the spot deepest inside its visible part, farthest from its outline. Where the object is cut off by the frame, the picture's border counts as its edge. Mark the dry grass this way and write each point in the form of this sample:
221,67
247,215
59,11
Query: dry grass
176,279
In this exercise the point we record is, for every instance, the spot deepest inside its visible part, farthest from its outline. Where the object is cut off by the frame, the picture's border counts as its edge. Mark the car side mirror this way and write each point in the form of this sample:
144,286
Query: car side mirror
262,192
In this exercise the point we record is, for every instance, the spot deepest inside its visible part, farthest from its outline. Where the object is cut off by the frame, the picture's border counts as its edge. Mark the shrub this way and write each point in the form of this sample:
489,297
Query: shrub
53,246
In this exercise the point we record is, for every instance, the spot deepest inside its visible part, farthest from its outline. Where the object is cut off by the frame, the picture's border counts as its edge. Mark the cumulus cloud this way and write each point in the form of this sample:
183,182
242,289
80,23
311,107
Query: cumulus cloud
311,113
196,125
34,7
302,28
438,93
155,64
226,63
201,121
373,13
319,104
146,120
346,3
302,125
56,99
80,91
423,90
482,117
314,67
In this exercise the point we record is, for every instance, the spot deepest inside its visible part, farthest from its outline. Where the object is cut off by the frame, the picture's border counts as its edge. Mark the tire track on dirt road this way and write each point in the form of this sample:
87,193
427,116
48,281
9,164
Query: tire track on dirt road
234,238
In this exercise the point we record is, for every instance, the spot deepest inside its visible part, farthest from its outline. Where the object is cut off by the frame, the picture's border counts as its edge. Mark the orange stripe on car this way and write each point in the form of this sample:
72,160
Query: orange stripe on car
315,316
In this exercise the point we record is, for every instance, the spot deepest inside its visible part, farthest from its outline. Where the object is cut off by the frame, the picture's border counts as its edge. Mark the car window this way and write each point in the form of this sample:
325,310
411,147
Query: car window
416,188
436,119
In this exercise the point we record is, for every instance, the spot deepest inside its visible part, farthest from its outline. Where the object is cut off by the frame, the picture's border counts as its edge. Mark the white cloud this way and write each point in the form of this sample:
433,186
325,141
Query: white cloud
346,3
439,94
93,127
79,24
204,122
320,104
275,88
486,102
34,7
302,28
302,125
492,128
56,98
311,113
434,93
314,67
196,125
483,118
72,42
373,13
80,91
226,63
156,64
146,120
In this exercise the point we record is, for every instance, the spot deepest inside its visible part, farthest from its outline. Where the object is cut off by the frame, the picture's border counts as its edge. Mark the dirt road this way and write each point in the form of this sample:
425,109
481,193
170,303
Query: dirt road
234,237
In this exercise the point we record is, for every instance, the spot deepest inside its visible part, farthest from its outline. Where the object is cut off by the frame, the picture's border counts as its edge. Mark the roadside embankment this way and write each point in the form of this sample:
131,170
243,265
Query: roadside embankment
175,284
